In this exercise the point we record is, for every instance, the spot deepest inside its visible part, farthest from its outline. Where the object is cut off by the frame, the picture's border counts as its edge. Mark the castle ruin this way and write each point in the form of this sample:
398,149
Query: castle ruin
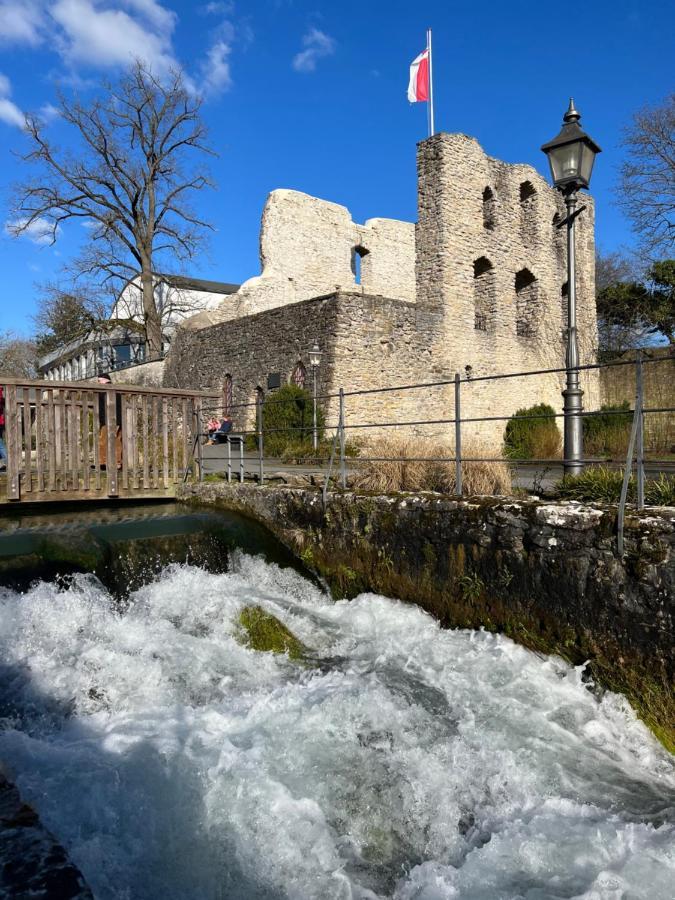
477,285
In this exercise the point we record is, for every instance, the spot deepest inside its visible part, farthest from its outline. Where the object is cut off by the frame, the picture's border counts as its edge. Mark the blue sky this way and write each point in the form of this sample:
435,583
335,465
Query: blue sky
311,96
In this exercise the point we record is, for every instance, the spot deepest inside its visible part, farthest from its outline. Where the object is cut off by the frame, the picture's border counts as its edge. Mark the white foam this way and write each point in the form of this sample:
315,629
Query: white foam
411,763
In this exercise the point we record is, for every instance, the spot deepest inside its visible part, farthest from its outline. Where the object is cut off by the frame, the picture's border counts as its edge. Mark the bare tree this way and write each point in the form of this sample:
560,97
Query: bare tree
128,180
18,356
647,186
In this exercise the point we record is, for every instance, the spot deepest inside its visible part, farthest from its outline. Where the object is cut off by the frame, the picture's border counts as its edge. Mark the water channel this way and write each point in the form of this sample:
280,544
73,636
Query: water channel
389,759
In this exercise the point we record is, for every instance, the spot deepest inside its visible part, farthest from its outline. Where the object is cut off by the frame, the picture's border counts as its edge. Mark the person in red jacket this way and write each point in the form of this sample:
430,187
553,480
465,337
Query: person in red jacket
3,448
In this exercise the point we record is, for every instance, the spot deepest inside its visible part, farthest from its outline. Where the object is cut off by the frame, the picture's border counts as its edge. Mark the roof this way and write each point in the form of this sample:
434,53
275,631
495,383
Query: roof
199,284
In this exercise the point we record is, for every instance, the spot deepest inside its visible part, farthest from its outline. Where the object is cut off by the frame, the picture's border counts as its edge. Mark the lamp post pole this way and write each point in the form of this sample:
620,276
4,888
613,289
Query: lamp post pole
314,360
315,436
571,155
573,394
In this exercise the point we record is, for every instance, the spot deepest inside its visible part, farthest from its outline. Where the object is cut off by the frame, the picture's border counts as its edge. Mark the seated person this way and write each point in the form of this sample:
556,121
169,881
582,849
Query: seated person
212,425
219,436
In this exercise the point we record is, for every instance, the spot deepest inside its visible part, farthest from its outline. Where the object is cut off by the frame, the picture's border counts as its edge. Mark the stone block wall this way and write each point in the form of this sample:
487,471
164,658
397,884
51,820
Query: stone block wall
491,262
308,247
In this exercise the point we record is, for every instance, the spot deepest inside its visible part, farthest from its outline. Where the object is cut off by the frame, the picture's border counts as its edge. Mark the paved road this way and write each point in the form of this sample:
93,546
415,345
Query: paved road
529,477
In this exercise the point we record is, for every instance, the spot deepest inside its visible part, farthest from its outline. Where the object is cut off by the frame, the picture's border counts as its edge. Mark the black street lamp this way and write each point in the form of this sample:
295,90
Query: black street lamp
571,155
314,360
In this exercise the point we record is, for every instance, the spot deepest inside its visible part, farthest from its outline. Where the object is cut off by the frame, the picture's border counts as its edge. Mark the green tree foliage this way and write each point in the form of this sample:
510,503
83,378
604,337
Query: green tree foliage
287,419
632,308
532,438
62,317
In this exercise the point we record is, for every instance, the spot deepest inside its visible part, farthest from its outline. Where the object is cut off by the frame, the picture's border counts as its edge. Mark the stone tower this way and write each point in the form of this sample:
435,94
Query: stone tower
491,266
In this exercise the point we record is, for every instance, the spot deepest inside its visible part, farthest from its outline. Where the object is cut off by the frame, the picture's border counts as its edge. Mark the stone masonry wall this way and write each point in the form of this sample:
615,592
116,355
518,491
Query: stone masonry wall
486,220
368,342
308,248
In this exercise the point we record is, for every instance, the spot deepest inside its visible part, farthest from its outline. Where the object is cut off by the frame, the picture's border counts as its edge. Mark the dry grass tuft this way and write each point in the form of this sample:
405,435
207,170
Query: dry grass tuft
408,464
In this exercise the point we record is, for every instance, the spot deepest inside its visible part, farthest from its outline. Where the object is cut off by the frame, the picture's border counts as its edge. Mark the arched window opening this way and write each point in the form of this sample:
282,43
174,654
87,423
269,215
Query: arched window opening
299,374
528,212
227,396
527,303
484,294
489,209
358,253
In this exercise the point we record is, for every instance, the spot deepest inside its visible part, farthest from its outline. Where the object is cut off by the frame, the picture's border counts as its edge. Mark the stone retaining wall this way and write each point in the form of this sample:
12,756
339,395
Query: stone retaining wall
546,574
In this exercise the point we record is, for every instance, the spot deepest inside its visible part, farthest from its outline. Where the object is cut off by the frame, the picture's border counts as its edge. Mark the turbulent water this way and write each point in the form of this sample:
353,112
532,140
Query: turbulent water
399,761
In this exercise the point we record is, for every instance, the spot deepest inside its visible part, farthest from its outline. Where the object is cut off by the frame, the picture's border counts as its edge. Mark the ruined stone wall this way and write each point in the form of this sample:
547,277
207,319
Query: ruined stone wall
492,263
367,341
308,247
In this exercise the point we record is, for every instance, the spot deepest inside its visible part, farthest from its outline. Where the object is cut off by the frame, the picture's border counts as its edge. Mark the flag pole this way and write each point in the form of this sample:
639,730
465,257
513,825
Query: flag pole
431,86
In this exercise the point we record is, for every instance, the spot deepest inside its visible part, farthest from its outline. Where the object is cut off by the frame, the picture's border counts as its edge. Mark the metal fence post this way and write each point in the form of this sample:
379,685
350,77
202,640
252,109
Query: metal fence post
343,470
458,437
229,459
640,455
259,414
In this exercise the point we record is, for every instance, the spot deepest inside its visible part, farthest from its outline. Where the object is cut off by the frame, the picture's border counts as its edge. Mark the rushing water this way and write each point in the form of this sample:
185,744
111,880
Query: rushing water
401,761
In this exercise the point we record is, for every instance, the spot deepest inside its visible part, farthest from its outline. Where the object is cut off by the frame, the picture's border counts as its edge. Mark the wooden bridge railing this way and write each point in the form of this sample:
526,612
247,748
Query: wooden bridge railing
66,438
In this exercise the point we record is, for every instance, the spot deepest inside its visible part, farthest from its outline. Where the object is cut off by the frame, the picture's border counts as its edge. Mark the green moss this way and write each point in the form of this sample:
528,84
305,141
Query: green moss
262,631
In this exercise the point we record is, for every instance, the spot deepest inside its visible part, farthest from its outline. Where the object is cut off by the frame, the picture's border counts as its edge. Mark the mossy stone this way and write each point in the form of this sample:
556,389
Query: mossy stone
262,631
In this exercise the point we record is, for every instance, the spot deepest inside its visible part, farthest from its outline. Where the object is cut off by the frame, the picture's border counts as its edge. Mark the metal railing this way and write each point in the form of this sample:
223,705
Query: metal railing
447,410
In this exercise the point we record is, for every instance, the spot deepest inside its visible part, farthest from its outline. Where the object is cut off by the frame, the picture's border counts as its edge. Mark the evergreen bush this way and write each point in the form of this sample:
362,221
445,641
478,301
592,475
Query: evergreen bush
608,431
532,438
287,419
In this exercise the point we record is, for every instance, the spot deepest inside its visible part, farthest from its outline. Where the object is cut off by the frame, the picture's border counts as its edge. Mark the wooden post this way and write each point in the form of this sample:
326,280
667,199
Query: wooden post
174,435
145,427
73,443
126,443
184,439
165,442
51,440
86,456
11,428
39,441
62,440
154,441
134,479
111,457
27,442
96,428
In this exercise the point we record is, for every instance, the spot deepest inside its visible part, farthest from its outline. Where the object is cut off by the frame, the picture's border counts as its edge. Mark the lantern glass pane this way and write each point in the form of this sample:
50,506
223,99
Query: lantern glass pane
587,160
566,161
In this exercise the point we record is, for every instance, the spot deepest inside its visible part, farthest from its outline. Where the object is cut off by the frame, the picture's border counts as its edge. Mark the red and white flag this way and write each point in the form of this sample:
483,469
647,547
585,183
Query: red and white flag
418,88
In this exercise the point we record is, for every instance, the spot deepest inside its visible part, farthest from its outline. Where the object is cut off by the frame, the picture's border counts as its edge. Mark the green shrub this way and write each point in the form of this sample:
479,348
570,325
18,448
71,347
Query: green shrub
303,451
601,484
287,419
526,438
597,483
609,430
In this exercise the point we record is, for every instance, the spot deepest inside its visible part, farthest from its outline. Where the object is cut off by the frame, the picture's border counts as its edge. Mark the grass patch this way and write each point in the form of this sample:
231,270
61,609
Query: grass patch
528,438
262,631
408,464
603,485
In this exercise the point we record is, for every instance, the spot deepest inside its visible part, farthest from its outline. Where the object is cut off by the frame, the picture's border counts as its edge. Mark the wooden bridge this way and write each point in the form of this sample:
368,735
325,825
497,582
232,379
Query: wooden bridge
88,441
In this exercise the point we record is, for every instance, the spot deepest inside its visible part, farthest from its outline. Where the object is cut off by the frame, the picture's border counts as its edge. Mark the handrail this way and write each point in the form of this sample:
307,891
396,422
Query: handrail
46,384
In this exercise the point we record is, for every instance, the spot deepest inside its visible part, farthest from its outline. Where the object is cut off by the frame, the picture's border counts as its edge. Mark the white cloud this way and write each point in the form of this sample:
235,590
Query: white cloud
217,9
317,44
20,22
39,231
9,111
216,69
108,36
48,112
